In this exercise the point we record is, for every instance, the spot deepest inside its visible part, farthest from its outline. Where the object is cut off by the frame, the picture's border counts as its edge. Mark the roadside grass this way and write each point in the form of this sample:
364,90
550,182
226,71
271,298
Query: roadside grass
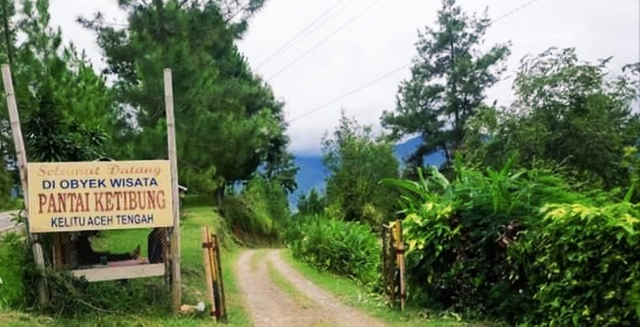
287,287
194,288
354,295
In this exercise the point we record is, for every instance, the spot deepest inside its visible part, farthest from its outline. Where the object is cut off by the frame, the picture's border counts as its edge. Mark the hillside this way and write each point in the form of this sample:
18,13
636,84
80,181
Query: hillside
312,172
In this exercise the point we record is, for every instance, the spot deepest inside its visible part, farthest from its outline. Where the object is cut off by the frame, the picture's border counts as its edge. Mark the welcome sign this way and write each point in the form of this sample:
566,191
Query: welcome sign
76,196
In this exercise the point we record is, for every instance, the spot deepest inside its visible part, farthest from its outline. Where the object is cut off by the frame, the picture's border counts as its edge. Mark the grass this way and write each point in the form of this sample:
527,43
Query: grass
354,295
285,285
144,314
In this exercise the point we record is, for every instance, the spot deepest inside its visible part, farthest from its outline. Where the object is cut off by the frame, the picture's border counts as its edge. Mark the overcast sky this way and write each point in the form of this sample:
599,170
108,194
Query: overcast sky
366,39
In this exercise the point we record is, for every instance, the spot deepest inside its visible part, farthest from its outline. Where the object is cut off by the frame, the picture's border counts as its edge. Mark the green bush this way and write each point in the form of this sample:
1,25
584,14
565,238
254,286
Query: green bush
584,265
480,243
13,257
258,214
345,248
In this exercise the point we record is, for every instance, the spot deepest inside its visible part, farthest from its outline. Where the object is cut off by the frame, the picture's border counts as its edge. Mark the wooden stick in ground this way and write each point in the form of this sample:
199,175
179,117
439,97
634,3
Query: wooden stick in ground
401,263
176,279
223,302
214,275
206,249
21,154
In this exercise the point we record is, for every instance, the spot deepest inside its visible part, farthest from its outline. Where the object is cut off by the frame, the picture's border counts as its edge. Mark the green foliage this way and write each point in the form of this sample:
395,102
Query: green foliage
259,213
447,82
568,112
346,248
54,86
311,204
520,244
357,163
247,226
269,199
583,265
219,103
13,257
7,182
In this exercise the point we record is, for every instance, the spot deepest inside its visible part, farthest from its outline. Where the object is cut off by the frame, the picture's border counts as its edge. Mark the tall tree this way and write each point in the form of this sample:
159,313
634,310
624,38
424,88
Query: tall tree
228,120
357,162
447,84
567,112
67,109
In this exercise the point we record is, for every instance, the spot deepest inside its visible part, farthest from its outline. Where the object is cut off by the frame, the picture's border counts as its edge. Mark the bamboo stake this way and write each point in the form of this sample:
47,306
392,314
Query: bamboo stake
206,257
222,313
173,159
400,253
214,275
21,154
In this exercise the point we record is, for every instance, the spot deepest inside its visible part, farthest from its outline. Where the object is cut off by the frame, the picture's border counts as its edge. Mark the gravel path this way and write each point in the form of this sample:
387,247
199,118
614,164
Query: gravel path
270,306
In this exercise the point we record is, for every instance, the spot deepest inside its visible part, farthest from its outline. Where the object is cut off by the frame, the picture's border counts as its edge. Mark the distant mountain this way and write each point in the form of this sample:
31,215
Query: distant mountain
312,172
407,148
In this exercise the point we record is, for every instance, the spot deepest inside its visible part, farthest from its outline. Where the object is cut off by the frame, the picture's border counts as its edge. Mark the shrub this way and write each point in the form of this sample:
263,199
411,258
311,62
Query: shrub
13,257
584,265
345,248
481,243
258,214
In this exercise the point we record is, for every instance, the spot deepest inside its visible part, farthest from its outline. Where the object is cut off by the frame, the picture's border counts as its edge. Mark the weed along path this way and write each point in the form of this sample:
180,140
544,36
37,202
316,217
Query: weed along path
278,295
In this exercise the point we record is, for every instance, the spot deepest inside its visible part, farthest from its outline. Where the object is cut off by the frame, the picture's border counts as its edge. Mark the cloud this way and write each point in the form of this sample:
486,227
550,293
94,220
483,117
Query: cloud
382,40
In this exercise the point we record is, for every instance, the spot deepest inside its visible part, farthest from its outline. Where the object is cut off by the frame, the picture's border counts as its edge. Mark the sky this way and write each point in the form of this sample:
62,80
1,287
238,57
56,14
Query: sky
357,42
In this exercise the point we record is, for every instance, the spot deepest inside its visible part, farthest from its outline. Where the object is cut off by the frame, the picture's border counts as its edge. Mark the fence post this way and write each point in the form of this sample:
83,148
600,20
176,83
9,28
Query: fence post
206,250
400,260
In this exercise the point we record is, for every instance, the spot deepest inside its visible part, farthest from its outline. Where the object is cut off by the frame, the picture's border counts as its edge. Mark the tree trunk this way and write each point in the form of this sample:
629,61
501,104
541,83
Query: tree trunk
220,193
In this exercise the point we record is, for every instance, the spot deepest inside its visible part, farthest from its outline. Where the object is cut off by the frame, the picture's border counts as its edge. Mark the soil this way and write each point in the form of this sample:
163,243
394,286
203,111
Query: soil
270,306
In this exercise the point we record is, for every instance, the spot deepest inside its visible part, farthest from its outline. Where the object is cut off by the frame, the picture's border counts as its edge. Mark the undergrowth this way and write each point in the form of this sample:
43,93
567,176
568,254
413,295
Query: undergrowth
13,259
521,245
346,248
143,302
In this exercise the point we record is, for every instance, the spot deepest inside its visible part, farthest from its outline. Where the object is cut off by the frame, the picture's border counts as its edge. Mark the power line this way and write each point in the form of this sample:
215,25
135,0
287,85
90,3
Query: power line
287,45
370,83
356,90
325,39
527,4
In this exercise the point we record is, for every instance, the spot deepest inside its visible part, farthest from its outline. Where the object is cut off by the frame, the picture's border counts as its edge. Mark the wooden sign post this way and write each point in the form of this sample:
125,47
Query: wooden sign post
36,224
21,155
176,280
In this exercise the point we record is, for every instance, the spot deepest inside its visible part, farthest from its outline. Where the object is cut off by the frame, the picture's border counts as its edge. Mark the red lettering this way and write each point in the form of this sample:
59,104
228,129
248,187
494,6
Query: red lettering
98,201
162,201
52,203
42,200
109,200
133,203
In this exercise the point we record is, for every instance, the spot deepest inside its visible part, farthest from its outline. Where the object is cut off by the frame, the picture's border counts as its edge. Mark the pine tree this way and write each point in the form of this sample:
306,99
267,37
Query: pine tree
448,81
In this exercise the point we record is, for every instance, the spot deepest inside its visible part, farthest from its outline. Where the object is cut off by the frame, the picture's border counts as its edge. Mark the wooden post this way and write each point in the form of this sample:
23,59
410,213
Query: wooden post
222,302
21,154
206,250
400,258
176,279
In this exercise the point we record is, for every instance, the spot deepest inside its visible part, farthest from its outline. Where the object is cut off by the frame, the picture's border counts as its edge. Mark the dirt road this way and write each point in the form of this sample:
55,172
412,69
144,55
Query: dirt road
5,220
270,306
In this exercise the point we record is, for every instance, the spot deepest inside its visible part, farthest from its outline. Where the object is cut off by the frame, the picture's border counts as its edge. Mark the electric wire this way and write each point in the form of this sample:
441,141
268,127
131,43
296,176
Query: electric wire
338,30
391,73
294,39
